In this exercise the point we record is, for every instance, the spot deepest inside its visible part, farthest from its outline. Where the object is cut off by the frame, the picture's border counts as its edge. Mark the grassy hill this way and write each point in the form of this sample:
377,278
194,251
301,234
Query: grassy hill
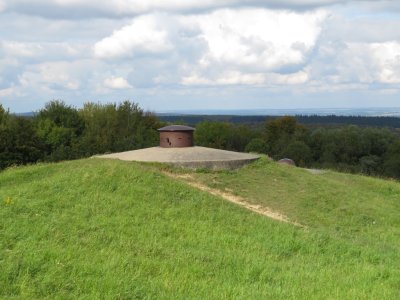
117,230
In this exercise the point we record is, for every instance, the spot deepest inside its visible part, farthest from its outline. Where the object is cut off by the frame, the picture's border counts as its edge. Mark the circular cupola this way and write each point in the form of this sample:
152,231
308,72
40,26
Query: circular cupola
176,136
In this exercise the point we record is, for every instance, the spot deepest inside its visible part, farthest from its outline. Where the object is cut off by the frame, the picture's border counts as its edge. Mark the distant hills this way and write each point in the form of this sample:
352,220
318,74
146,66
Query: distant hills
370,111
311,120
26,114
365,112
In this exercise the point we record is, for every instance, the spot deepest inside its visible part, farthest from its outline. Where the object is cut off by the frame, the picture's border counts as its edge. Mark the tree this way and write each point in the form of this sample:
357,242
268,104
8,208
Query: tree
4,116
240,137
370,164
213,134
299,152
392,161
59,126
19,143
111,128
257,145
281,132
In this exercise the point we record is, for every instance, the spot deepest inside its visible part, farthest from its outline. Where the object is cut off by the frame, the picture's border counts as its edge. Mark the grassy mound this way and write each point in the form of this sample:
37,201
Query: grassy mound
109,229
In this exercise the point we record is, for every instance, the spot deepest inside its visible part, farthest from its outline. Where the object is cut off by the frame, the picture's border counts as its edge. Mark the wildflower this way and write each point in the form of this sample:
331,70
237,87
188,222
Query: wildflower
8,201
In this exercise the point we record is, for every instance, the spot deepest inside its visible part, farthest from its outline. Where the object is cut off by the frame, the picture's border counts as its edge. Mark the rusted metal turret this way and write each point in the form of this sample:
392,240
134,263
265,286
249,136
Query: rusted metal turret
176,136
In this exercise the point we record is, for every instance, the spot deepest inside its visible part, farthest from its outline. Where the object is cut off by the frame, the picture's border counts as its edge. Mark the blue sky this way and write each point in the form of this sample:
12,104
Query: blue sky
171,54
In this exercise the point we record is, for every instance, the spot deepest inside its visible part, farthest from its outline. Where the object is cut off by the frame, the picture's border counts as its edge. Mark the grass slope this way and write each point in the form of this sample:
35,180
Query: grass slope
360,209
109,229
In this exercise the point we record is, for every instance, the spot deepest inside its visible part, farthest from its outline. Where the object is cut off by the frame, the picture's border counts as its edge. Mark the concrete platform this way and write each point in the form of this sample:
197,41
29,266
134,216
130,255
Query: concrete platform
189,157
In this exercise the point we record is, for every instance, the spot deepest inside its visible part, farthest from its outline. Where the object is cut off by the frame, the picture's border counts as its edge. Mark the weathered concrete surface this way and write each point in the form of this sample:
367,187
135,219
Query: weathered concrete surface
190,157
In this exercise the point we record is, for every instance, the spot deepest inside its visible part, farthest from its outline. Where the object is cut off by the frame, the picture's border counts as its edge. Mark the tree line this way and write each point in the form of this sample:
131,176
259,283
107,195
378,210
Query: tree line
350,148
61,132
309,120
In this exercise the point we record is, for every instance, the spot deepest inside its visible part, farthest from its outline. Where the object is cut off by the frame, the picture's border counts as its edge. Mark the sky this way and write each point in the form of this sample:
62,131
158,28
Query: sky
195,55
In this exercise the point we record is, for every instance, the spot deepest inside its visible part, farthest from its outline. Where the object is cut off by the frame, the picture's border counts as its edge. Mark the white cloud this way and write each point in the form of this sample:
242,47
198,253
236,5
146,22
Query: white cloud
20,49
100,8
386,56
362,28
258,38
7,92
117,83
236,46
145,34
297,78
53,76
2,6
33,51
206,49
253,47
251,79
226,78
389,6
365,63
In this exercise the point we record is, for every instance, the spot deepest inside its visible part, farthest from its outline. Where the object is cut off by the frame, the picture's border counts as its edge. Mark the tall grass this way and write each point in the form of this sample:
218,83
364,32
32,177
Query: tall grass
116,230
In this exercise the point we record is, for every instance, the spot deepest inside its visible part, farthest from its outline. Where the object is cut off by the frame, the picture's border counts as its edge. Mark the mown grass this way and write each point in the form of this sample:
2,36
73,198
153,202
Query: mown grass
117,230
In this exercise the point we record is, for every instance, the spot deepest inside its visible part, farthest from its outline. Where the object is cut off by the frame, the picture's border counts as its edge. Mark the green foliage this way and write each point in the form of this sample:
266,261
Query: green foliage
111,127
93,228
241,137
4,116
299,152
392,161
222,135
281,132
62,115
257,145
311,121
213,134
352,148
19,143
61,132
370,164
59,126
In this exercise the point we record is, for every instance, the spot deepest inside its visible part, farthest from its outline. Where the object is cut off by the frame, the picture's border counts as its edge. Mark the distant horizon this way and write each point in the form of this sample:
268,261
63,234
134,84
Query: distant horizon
354,111
338,111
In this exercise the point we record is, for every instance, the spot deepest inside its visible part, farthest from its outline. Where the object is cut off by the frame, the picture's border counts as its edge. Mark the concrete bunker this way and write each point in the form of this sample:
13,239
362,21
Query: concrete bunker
177,148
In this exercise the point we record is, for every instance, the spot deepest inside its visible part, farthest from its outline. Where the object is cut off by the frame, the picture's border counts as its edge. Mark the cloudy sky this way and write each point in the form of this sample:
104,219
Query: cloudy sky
209,54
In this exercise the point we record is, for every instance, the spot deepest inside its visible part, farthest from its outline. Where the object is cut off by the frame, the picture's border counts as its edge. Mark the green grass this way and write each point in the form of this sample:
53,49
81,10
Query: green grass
116,230
360,209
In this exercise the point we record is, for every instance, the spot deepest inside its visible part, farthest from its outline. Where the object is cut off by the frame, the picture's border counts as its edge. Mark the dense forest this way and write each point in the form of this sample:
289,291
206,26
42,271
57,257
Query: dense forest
60,132
372,151
309,120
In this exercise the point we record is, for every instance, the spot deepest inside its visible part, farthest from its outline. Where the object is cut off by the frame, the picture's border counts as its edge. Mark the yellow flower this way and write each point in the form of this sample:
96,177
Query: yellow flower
8,201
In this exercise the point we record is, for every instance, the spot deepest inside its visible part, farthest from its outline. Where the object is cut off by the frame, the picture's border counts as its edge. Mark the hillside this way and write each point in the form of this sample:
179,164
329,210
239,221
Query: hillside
110,229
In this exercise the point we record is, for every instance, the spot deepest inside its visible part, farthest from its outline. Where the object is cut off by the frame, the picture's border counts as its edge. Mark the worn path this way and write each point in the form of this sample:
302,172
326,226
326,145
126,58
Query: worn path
262,210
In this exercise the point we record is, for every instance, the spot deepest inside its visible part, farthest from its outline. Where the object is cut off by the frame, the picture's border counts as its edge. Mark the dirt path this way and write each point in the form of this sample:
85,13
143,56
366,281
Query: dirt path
262,210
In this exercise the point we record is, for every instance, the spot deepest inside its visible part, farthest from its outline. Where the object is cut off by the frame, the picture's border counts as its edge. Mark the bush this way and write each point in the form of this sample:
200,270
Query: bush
257,145
299,152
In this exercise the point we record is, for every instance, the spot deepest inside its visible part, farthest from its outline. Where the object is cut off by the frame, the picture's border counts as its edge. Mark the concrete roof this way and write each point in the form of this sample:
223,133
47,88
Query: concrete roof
176,128
190,157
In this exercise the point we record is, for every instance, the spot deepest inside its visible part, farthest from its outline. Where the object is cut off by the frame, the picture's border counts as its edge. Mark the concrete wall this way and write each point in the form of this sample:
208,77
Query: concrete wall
176,139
